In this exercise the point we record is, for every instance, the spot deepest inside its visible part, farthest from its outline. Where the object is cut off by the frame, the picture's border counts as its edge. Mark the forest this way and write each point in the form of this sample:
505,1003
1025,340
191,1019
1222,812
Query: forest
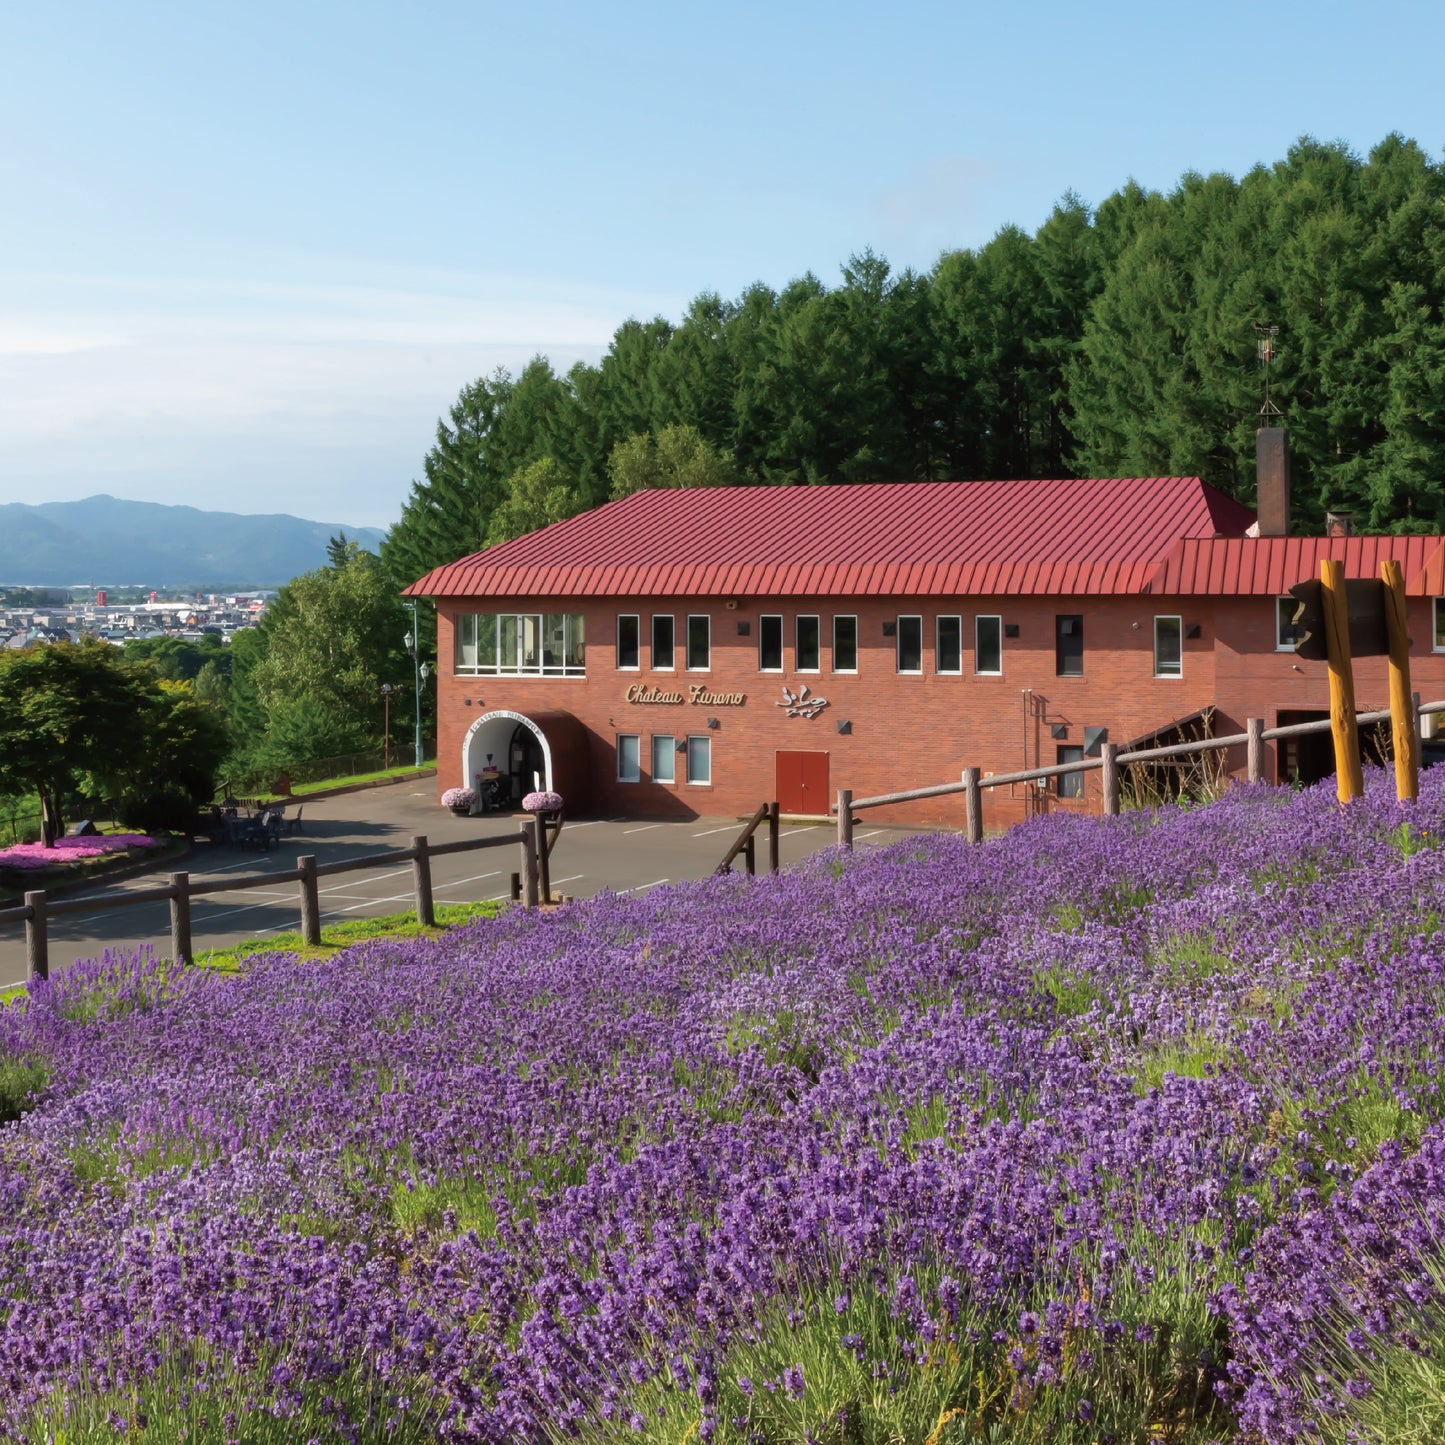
1116,340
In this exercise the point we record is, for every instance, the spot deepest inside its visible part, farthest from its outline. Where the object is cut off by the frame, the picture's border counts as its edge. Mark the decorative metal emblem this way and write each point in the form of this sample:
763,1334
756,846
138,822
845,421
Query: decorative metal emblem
801,705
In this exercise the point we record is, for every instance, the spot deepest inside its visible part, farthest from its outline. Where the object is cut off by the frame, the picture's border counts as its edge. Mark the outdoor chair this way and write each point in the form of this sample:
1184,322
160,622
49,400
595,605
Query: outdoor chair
293,825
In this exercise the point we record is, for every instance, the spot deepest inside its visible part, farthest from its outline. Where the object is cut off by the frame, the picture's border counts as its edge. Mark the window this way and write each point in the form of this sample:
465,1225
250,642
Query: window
699,643
628,758
948,645
699,760
1168,647
809,641
988,645
662,644
1069,645
910,644
629,643
770,644
845,644
529,644
1439,624
1071,785
664,758
1284,628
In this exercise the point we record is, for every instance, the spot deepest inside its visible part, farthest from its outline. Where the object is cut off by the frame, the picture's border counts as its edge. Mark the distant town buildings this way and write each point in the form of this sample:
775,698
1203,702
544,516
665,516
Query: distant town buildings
93,615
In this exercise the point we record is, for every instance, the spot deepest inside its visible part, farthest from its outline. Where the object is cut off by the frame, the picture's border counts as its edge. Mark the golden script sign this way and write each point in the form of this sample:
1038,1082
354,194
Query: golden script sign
698,694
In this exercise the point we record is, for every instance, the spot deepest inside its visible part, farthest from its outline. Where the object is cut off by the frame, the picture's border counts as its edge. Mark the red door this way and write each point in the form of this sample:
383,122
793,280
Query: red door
802,783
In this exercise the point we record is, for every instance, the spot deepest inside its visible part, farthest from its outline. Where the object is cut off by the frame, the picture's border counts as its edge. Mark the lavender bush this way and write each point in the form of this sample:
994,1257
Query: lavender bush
1110,1129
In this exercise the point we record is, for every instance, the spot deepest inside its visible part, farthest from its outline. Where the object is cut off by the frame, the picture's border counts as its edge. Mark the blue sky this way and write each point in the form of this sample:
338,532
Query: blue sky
248,255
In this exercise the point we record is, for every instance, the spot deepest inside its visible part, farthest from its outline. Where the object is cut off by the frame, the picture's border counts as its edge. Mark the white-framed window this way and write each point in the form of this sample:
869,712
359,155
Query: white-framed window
948,645
1069,644
1168,647
845,644
526,644
629,750
663,642
770,644
1284,628
808,641
629,642
988,646
699,644
1439,619
699,760
664,758
910,644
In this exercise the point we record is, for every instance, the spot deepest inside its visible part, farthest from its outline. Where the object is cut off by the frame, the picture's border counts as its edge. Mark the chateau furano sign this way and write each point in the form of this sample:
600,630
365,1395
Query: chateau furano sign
698,694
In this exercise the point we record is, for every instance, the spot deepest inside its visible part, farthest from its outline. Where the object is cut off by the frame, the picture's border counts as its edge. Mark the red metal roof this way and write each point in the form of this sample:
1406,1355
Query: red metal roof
896,538
1268,566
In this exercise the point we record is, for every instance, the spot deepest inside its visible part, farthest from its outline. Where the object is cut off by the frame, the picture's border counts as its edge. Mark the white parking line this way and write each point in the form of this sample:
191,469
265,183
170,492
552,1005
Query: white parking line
655,883
643,829
732,828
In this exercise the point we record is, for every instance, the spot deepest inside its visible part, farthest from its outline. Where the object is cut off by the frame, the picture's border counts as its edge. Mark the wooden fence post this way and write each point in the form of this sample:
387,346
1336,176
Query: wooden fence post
1254,727
1349,776
310,901
421,882
529,868
845,818
972,806
750,859
1402,711
181,918
37,948
773,836
1110,754
544,859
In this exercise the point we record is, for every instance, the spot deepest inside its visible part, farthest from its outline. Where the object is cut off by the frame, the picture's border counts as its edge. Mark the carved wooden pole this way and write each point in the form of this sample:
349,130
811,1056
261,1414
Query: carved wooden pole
310,900
421,882
37,934
1349,777
181,917
1255,728
1110,772
972,806
1402,708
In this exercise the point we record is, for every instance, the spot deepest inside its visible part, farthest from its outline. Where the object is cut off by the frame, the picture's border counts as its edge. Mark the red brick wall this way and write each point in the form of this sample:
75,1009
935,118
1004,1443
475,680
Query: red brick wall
908,731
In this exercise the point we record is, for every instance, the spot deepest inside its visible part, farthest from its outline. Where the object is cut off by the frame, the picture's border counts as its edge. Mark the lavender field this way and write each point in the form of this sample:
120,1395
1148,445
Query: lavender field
1108,1130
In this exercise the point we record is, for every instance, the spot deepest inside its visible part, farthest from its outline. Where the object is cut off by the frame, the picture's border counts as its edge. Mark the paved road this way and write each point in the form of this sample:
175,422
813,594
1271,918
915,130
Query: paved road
606,853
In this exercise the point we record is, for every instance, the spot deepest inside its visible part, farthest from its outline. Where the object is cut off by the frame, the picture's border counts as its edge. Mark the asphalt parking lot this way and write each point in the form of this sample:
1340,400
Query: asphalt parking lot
624,855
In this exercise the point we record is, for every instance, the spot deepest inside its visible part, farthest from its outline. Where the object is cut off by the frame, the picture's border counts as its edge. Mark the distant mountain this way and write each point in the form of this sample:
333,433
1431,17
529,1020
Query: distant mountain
112,543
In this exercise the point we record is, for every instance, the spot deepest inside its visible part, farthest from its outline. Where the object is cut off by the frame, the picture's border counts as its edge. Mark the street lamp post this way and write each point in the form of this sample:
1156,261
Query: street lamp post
386,691
420,671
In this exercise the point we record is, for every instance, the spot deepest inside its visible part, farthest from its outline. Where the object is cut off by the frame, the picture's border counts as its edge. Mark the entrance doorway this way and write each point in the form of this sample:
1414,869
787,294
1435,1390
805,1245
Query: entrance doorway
802,781
504,758
1310,758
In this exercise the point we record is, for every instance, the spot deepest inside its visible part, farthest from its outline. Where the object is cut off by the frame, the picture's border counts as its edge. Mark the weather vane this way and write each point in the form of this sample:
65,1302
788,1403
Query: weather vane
1265,340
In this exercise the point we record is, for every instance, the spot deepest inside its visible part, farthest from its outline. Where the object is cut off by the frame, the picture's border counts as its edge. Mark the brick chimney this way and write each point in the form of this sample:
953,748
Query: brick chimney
1272,473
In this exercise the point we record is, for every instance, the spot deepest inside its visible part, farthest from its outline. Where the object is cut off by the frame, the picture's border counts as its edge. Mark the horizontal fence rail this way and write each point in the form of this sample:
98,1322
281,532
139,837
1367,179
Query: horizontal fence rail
1109,762
39,907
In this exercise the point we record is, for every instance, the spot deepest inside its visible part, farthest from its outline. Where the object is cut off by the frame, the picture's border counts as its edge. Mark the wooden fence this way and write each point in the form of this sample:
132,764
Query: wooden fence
181,888
1109,762
746,842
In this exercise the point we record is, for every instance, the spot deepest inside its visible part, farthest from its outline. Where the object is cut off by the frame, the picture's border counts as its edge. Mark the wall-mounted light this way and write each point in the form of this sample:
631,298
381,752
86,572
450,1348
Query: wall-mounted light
890,629
712,722
1010,629
1058,730
844,726
682,745
744,628
1193,630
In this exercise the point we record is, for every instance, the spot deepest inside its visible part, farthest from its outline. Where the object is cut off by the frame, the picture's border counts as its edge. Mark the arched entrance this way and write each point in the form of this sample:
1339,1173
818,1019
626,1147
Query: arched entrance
513,745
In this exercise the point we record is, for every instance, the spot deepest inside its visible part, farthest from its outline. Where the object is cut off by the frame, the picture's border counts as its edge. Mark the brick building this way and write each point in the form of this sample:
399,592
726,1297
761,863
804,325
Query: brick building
679,653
